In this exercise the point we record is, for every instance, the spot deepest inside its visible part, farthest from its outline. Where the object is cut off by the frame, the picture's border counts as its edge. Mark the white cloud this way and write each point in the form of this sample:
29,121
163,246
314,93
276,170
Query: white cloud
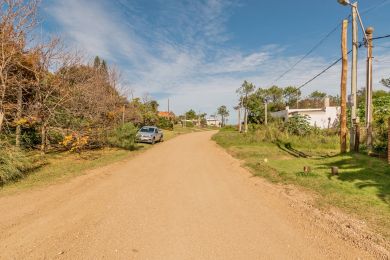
186,60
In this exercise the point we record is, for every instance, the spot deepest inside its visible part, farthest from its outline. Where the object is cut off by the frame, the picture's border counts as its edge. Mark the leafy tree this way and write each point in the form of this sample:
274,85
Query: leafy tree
191,115
298,125
165,123
223,112
275,94
318,95
124,136
386,82
96,62
244,91
292,95
255,106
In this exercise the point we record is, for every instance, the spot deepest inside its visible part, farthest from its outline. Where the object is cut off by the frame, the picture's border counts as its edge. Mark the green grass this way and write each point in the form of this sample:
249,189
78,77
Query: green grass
60,167
362,188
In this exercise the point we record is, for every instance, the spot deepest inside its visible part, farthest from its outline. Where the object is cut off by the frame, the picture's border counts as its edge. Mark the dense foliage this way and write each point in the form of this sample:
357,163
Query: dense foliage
298,125
124,136
50,100
277,98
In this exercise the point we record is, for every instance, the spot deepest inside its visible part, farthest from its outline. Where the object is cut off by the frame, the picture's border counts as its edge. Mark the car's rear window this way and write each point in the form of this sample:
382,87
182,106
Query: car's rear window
147,130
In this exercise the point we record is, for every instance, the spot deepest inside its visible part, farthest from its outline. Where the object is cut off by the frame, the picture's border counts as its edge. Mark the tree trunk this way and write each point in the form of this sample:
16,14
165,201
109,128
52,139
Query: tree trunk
245,120
239,119
18,132
44,138
2,97
1,119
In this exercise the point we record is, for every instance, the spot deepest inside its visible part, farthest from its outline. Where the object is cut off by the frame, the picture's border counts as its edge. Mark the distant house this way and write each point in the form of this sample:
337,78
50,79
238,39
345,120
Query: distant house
325,117
213,121
167,115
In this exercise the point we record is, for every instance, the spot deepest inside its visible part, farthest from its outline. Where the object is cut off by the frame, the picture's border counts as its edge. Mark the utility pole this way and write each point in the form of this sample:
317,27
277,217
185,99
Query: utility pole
266,112
245,115
239,118
355,43
343,116
369,32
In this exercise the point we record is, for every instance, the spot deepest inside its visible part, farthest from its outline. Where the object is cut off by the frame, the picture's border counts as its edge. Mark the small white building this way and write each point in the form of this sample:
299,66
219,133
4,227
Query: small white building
323,118
213,121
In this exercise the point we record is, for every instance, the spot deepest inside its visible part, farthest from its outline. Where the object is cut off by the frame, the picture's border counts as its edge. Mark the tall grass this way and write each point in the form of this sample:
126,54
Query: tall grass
15,164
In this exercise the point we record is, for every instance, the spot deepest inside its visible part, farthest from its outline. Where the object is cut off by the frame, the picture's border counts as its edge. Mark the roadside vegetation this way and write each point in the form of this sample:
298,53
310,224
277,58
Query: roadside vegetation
54,100
295,152
55,167
362,187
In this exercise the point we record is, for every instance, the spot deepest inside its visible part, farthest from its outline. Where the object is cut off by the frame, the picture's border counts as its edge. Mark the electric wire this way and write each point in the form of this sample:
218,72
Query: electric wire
326,37
322,72
333,64
306,55
381,37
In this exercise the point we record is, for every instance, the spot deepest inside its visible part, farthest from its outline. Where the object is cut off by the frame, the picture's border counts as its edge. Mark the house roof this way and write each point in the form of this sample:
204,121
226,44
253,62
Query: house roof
166,114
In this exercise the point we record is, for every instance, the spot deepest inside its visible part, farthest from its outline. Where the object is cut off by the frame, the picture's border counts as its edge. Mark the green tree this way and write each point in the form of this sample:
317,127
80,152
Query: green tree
298,125
255,104
191,114
292,95
317,95
386,82
244,91
96,62
275,94
223,112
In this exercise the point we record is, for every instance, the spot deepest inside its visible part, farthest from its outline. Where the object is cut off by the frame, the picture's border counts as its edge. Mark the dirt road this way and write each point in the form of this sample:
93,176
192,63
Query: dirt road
183,199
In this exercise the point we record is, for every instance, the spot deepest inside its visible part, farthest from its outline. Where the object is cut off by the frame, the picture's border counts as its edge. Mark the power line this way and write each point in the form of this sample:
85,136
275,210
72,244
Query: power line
335,62
307,54
323,71
326,37
381,37
374,7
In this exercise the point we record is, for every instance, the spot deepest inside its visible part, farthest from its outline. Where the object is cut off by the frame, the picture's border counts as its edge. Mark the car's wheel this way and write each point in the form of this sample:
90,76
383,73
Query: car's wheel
153,141
162,139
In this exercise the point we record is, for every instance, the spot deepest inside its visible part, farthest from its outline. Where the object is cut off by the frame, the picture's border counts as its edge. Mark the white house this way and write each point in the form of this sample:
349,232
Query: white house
213,121
325,117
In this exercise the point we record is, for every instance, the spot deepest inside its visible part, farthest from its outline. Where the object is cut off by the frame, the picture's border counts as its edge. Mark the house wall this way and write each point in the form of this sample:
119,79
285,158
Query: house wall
322,118
213,122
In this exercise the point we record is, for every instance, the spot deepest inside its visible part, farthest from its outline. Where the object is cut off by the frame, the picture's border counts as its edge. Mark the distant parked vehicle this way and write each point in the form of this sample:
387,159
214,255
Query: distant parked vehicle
150,134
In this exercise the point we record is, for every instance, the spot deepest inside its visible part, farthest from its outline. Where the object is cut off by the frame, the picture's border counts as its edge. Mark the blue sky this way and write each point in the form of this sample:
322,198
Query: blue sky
198,52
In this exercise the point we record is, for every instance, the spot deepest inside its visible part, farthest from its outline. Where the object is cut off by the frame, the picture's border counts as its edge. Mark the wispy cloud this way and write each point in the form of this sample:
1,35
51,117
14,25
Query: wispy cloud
178,49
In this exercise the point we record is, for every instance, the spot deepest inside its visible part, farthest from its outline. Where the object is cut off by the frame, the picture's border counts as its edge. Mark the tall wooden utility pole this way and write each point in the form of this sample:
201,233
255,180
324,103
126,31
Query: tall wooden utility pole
245,115
355,44
239,118
266,112
344,73
369,32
